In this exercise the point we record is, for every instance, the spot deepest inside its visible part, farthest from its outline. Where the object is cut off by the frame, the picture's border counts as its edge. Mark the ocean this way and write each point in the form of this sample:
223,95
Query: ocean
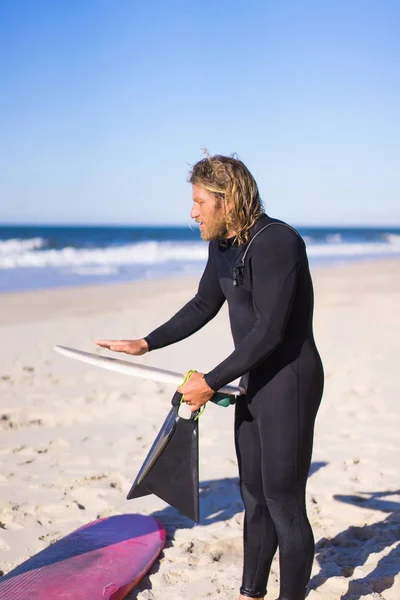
40,257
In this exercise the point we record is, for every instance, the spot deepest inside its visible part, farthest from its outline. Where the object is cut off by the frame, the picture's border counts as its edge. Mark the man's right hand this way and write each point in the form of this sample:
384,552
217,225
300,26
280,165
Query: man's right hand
135,347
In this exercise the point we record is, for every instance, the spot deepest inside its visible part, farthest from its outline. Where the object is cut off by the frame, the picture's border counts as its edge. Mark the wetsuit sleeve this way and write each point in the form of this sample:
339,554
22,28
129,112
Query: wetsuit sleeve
195,314
274,264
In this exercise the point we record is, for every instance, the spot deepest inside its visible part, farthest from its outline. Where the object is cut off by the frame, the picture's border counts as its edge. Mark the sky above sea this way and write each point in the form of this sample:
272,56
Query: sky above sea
106,105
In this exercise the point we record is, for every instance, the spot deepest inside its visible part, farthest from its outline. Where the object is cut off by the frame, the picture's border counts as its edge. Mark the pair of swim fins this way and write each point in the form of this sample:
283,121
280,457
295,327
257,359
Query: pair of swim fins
171,468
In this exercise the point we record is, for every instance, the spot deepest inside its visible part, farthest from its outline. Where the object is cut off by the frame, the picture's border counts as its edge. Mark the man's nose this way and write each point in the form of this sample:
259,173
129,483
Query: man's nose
194,213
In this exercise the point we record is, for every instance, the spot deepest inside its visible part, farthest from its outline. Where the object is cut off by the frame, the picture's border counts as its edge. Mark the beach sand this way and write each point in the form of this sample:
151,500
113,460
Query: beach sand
73,437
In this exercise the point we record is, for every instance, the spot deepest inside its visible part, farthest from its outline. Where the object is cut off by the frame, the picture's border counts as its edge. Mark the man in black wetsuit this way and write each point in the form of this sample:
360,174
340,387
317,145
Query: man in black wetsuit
259,265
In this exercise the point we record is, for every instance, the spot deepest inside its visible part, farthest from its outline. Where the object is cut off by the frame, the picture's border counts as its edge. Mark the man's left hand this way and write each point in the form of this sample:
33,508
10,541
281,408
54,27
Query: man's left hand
196,391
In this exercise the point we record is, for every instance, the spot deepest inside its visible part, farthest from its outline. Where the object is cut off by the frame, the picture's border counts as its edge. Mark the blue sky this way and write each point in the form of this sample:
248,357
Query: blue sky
104,104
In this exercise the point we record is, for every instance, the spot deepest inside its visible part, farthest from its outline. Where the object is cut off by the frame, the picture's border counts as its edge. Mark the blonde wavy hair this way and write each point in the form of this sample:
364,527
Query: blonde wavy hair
229,180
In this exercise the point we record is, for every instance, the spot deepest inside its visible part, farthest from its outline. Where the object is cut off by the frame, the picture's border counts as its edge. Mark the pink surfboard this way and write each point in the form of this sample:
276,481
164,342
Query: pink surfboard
102,560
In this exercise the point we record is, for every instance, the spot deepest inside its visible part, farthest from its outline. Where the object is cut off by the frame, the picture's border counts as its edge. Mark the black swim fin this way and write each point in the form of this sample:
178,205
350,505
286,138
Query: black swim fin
171,468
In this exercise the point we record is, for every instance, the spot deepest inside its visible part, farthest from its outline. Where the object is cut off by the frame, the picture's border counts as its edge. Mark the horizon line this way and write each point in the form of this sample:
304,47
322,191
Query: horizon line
185,226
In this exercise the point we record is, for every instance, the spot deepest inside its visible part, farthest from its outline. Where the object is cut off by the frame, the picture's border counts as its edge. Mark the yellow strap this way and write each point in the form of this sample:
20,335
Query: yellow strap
188,375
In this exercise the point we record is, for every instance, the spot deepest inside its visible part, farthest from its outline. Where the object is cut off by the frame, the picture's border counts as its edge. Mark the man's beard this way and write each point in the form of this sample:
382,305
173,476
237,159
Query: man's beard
214,231
216,228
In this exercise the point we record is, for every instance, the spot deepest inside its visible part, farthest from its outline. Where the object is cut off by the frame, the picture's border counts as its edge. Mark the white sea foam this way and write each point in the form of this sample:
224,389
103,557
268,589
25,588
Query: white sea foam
145,253
390,247
32,253
95,270
334,238
392,239
16,246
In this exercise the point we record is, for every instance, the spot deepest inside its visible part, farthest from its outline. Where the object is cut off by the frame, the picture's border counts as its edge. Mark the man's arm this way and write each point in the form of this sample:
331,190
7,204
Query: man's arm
275,263
195,314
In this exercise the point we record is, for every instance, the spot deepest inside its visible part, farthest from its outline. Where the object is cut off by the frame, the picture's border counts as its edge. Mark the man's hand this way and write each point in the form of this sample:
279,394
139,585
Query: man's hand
196,391
135,347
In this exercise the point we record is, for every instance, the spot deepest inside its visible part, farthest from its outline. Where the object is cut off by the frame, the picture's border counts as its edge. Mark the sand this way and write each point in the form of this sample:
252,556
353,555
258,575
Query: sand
73,437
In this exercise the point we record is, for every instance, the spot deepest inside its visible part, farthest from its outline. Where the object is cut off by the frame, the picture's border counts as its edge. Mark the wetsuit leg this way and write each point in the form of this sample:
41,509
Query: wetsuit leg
259,534
283,413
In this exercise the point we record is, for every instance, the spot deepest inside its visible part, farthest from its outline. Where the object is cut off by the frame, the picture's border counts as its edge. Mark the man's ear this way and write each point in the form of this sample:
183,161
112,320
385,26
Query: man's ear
228,205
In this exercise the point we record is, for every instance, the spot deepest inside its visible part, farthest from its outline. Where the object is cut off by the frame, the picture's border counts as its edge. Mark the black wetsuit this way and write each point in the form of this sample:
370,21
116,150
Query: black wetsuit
270,310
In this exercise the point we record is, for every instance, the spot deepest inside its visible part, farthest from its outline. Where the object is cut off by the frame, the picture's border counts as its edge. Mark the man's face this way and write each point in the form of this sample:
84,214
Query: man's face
209,213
